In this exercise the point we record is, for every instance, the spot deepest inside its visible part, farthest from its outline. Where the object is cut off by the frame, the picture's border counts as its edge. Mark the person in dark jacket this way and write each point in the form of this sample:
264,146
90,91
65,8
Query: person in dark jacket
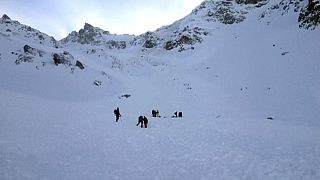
117,114
140,121
153,112
145,122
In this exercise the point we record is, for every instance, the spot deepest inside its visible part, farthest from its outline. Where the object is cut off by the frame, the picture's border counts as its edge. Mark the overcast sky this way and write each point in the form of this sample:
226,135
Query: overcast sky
59,17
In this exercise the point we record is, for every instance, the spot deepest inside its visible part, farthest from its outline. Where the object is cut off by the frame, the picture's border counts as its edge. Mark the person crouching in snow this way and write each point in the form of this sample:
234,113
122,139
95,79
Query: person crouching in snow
140,121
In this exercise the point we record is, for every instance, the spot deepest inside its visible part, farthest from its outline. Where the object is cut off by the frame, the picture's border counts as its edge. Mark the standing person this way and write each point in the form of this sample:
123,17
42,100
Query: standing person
153,112
145,122
140,121
117,114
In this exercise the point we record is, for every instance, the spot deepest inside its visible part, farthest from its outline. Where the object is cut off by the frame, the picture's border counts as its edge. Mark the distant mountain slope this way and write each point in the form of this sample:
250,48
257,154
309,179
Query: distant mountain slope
182,34
97,47
185,33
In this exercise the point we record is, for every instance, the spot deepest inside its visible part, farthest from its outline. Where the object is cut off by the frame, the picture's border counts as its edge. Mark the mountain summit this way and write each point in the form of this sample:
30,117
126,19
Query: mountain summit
87,35
5,17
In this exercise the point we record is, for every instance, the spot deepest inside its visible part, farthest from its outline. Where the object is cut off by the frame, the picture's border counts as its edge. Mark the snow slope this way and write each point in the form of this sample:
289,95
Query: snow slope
249,94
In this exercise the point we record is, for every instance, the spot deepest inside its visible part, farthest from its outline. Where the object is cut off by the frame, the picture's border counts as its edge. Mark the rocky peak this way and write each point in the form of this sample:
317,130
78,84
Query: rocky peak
88,26
5,17
87,35
10,28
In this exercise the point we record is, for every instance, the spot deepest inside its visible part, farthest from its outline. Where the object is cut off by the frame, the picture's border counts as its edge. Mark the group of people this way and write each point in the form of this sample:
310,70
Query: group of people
155,113
143,120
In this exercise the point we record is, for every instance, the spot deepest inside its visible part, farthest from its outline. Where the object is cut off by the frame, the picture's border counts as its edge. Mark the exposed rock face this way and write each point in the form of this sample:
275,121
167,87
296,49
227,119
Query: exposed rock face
87,35
5,17
150,40
63,58
250,1
188,36
222,11
309,17
116,44
309,11
67,59
28,54
170,45
94,36
29,50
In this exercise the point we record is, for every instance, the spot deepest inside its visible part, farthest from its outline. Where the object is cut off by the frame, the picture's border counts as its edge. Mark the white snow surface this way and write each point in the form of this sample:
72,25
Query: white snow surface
56,124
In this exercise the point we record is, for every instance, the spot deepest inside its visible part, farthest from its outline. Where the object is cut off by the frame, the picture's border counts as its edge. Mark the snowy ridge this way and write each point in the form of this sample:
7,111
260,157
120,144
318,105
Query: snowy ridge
12,29
182,35
95,37
249,93
191,30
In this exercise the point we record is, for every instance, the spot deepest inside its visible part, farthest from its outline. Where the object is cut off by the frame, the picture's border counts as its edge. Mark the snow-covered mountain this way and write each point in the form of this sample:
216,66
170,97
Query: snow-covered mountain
244,73
13,30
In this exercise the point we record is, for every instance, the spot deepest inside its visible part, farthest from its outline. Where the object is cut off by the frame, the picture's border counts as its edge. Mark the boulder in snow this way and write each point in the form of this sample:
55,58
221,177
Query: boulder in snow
97,83
79,64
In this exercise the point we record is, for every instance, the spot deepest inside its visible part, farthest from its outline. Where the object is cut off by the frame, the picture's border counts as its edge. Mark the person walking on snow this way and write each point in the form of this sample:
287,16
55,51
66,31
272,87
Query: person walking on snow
117,114
145,122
